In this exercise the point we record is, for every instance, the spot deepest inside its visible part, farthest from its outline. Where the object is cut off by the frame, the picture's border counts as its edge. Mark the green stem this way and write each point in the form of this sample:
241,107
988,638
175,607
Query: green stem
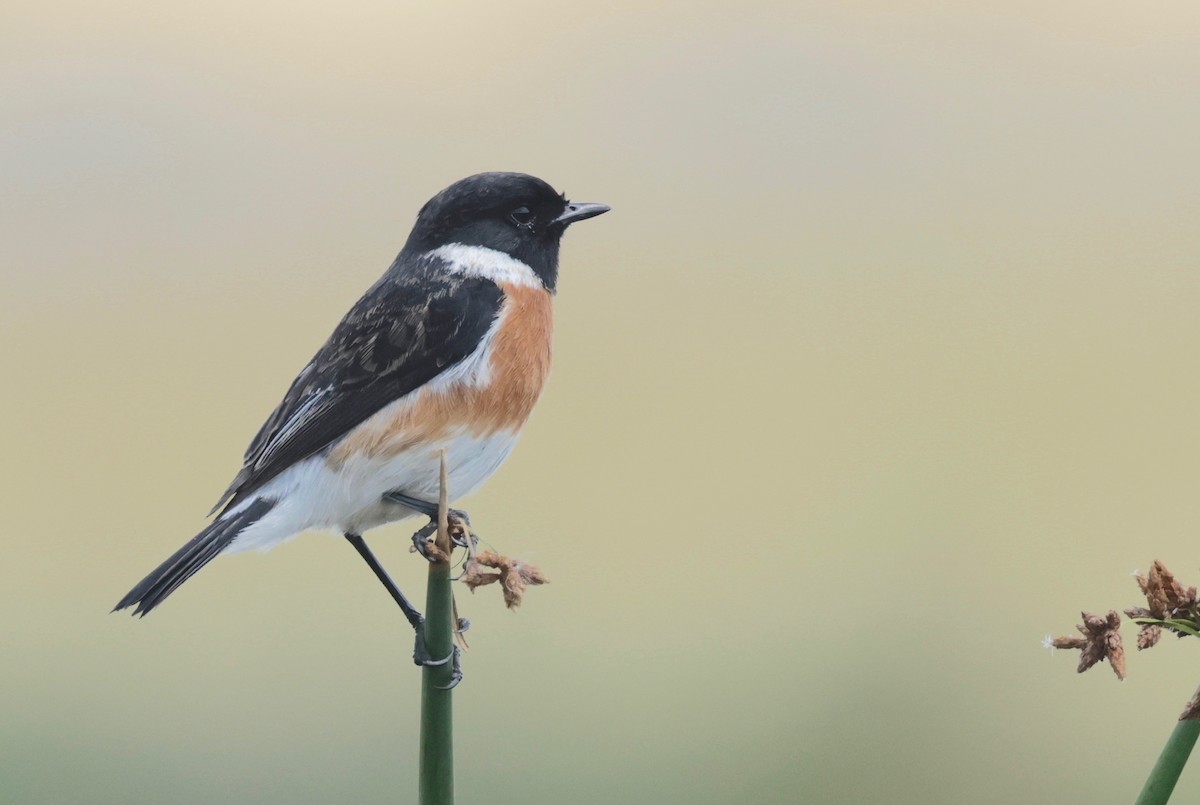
437,714
1165,773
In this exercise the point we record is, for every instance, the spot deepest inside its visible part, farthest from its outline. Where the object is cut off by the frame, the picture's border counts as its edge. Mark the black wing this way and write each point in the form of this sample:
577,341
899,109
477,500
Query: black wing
412,325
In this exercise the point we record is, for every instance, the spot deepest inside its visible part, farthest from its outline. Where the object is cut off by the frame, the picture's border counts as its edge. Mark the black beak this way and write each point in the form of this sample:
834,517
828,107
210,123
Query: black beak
580,210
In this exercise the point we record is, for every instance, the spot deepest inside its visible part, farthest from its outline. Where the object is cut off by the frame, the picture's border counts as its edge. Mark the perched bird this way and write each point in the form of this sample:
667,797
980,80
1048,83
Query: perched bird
447,351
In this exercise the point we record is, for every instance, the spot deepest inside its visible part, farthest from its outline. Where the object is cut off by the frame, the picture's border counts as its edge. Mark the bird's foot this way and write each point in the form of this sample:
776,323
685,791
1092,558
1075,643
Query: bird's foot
422,657
423,539
424,543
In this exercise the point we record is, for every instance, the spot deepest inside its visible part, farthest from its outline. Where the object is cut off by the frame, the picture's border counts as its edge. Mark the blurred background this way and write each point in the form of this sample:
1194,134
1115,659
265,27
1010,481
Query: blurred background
882,368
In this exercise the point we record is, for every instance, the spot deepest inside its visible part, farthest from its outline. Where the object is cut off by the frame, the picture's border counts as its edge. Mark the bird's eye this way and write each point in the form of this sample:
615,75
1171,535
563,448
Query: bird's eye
522,217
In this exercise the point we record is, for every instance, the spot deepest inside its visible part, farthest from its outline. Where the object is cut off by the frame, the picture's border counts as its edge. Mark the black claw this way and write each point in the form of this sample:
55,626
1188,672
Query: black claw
461,541
456,674
421,541
422,657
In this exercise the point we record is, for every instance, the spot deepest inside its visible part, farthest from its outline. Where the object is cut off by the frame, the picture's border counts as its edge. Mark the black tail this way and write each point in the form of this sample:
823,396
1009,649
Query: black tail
199,551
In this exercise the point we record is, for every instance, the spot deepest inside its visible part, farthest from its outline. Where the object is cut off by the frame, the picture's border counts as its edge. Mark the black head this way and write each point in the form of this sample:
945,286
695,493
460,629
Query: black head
513,213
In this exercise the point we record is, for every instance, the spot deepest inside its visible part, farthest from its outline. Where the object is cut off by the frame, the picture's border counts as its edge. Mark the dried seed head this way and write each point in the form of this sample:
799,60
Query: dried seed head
1101,640
1148,635
514,576
1164,595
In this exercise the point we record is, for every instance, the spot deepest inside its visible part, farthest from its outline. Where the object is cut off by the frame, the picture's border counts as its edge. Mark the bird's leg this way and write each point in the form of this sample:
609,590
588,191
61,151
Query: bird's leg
426,508
415,618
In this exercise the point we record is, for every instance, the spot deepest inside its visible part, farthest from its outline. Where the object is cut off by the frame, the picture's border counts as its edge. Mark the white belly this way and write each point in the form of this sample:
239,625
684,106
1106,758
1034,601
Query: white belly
314,495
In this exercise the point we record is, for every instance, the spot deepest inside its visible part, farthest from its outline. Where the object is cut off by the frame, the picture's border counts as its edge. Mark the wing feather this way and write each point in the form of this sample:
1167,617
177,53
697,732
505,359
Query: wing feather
415,323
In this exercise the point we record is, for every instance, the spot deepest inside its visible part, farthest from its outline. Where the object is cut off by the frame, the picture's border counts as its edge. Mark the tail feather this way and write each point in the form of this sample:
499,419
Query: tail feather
198,552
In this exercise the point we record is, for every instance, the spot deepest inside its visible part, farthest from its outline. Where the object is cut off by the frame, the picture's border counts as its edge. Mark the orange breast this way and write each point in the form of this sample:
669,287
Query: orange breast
518,366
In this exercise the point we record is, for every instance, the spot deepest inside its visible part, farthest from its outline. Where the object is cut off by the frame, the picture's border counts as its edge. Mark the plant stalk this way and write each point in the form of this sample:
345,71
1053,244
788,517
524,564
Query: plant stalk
1166,771
437,714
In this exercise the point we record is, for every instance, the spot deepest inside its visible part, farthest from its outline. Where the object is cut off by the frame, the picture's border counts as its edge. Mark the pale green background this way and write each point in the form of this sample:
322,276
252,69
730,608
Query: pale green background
882,367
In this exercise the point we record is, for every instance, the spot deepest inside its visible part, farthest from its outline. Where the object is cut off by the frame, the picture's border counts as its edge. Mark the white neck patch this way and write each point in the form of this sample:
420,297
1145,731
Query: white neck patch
480,261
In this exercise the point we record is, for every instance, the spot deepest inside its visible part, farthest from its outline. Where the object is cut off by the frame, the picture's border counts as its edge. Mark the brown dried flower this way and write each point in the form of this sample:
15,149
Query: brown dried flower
1170,607
1148,633
514,575
1165,596
1166,599
1101,641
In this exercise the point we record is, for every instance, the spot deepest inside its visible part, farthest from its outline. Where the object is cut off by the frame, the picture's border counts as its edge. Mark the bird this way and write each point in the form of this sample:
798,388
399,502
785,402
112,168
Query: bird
448,351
